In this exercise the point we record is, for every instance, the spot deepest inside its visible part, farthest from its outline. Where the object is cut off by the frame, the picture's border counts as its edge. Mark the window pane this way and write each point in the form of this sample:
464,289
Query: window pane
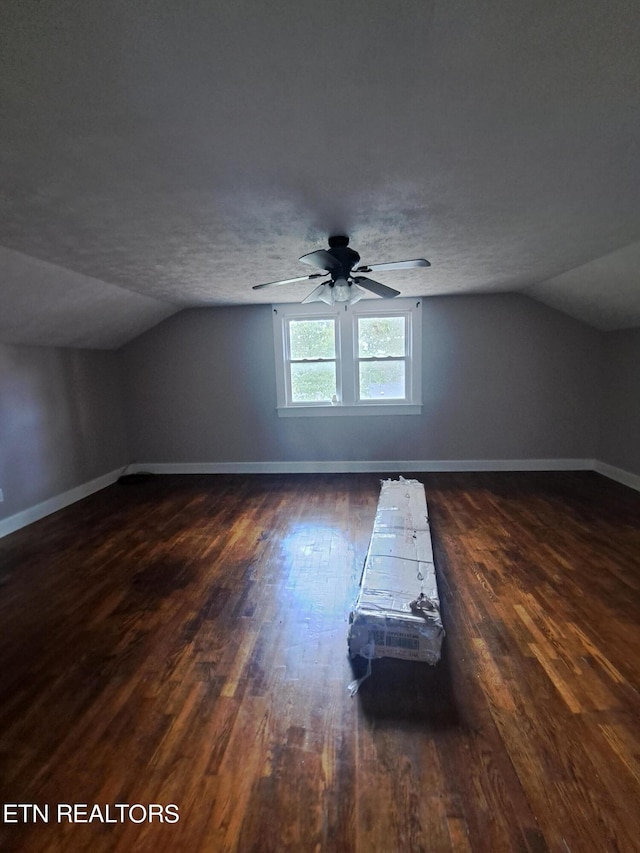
313,383
380,380
312,338
381,336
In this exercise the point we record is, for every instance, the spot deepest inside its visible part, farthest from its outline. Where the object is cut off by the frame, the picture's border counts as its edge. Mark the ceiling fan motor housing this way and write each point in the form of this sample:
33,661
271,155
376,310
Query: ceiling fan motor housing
346,257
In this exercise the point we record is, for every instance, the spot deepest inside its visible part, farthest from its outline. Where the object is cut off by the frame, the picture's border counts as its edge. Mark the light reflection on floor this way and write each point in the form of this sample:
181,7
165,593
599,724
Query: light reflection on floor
319,576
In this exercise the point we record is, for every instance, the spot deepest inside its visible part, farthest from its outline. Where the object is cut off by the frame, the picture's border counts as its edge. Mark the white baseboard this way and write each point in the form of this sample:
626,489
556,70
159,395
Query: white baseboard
35,513
357,467
618,474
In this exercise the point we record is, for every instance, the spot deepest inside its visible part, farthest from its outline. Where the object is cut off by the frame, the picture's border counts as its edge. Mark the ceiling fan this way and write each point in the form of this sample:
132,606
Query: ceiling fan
345,284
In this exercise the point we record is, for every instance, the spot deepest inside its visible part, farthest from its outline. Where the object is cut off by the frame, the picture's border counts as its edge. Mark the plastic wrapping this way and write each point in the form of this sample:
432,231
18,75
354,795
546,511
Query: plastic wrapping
397,612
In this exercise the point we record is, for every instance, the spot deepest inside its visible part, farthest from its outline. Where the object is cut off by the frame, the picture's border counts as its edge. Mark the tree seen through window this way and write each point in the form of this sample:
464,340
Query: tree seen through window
312,347
381,353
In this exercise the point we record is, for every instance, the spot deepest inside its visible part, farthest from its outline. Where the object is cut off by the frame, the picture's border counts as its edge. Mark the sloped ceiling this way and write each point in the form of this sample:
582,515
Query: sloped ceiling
173,153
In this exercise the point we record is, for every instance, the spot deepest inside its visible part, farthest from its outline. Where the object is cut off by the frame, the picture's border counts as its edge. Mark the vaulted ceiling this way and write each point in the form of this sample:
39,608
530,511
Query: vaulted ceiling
174,153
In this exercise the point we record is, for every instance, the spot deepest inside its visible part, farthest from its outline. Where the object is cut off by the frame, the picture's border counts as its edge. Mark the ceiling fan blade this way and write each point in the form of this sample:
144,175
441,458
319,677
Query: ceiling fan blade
288,280
376,287
316,294
395,265
323,260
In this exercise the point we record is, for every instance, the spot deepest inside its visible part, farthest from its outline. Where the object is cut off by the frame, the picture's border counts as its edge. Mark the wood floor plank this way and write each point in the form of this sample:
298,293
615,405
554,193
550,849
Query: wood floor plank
183,641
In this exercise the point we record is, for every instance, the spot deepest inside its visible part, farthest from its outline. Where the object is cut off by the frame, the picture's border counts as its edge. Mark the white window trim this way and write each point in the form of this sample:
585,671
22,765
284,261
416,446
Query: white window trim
347,358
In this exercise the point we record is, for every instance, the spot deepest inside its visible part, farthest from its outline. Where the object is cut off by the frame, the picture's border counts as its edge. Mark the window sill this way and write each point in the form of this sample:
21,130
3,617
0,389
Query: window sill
341,411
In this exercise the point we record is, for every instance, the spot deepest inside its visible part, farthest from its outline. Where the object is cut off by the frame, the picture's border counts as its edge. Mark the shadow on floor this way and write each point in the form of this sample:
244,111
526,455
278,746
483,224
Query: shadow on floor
408,692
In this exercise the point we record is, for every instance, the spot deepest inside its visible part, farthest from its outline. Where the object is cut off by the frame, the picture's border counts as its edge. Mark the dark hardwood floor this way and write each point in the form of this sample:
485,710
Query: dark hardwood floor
183,641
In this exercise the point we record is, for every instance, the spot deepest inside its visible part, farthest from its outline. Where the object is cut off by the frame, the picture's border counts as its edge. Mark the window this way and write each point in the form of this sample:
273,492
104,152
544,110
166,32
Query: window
348,359
312,360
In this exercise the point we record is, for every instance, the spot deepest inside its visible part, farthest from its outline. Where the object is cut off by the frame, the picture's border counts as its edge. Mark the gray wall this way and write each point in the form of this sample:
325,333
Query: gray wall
504,378
620,418
61,421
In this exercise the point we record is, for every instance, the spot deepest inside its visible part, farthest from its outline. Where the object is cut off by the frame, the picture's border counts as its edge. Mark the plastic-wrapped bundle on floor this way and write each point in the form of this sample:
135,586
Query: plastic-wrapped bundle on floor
397,612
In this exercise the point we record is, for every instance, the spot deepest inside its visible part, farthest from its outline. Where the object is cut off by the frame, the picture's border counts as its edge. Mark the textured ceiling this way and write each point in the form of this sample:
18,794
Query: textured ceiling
173,153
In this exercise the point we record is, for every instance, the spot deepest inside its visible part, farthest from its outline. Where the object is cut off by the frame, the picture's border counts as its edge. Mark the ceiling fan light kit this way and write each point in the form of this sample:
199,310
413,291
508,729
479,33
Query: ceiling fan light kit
339,263
340,291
